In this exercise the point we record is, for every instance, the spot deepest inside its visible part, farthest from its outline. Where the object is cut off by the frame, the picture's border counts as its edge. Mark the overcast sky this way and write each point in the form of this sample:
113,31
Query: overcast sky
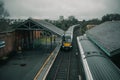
52,9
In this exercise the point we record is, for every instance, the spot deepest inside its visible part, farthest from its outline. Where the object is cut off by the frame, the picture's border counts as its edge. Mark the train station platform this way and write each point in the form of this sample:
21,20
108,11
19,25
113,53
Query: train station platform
28,65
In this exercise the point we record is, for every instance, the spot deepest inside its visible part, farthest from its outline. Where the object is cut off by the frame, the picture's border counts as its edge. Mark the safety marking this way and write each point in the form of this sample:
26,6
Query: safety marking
79,77
50,66
41,69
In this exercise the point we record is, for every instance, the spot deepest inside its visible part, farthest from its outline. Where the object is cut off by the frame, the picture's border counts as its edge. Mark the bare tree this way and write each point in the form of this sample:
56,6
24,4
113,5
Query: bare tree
3,12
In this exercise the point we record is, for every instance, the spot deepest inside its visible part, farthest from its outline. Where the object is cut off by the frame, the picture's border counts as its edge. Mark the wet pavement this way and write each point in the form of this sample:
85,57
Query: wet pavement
25,65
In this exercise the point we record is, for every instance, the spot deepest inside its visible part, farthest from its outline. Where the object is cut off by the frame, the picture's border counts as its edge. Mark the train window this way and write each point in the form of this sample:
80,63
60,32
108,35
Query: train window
67,38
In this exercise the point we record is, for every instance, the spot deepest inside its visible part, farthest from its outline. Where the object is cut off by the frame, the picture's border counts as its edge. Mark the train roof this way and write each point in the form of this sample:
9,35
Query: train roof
107,37
96,65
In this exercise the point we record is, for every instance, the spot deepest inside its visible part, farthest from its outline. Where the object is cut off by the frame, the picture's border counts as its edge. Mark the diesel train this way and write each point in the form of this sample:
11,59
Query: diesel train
96,66
67,38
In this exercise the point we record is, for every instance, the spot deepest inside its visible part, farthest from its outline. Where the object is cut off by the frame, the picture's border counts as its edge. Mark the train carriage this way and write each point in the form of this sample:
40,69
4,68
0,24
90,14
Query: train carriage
67,41
67,38
96,66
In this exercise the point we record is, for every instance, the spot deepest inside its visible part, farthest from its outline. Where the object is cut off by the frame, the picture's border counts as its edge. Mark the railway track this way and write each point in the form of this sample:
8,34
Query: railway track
63,68
66,65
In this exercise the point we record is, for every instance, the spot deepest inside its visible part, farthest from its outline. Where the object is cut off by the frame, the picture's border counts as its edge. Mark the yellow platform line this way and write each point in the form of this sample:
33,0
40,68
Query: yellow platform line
41,69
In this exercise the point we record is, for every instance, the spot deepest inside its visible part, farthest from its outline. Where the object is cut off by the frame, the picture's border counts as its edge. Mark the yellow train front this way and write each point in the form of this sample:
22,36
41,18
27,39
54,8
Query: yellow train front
67,38
67,42
67,45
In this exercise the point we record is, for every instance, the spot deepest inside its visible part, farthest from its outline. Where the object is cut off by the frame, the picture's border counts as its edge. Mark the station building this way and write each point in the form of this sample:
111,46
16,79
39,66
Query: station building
30,34
7,39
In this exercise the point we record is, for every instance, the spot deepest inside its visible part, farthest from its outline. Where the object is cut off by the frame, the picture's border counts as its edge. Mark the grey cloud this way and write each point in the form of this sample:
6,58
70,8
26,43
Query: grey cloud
81,9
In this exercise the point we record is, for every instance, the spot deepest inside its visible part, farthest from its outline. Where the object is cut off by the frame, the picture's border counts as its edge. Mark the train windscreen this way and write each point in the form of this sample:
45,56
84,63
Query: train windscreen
67,39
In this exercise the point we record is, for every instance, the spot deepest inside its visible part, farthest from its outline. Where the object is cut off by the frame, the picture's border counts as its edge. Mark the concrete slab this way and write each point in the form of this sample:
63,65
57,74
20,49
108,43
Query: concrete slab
42,73
24,66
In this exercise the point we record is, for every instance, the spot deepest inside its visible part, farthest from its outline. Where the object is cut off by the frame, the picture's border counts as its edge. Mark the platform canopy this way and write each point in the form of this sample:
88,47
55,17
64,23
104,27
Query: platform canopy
107,37
37,24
